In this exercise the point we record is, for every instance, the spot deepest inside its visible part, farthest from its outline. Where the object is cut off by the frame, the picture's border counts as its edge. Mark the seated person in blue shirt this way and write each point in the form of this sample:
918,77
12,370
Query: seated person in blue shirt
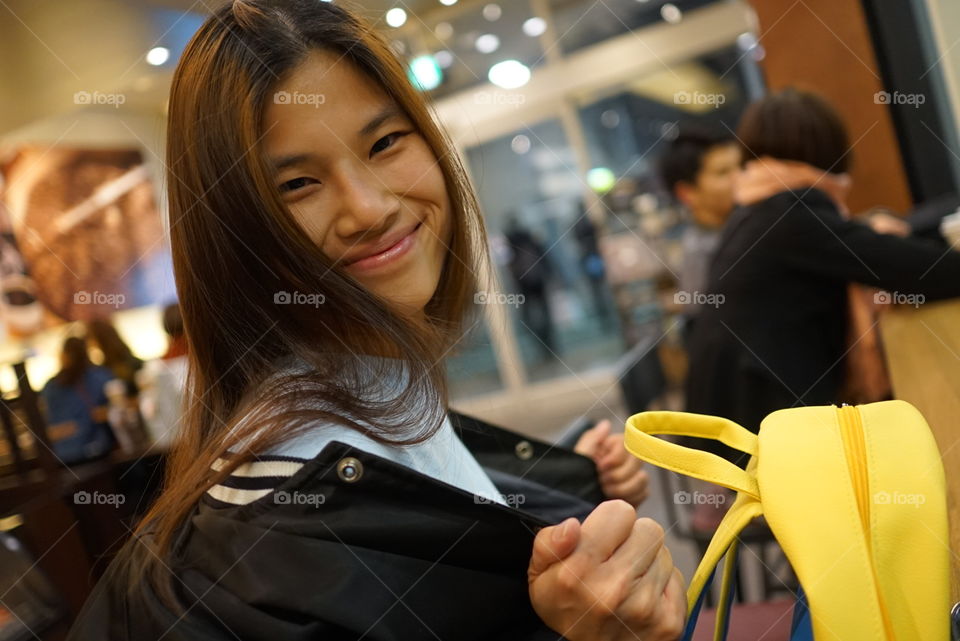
77,406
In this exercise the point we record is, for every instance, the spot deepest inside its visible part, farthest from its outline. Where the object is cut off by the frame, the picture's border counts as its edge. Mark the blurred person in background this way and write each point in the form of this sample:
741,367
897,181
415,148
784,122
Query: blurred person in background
117,357
162,382
320,471
173,326
591,261
698,169
531,271
76,406
778,338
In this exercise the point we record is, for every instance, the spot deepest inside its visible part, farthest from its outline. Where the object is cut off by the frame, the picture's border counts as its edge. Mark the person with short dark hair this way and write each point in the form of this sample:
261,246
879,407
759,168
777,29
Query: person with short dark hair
699,168
777,337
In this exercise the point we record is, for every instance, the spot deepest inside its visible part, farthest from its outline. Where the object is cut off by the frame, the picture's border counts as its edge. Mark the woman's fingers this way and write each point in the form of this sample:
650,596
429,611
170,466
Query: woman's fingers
642,548
615,584
605,529
591,442
552,545
622,472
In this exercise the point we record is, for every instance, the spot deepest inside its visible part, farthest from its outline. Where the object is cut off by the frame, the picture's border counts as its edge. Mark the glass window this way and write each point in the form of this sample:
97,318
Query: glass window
625,129
625,126
545,250
472,366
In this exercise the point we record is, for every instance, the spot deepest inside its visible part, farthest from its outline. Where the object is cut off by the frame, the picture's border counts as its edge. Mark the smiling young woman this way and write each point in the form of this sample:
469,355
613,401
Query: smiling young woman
326,247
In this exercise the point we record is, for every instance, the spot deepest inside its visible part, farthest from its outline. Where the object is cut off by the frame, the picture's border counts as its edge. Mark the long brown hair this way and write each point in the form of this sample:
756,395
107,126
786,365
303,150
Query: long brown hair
117,356
74,361
236,248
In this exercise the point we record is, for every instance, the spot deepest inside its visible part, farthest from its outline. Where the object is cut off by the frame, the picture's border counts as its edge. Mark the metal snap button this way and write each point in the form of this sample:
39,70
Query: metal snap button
524,450
349,469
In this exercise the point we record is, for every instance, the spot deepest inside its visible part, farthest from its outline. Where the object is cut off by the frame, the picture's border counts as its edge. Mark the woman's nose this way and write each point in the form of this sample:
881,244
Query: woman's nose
365,202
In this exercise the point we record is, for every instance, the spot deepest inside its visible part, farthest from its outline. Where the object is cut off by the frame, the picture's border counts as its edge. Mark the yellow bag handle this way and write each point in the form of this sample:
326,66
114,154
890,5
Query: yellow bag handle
640,441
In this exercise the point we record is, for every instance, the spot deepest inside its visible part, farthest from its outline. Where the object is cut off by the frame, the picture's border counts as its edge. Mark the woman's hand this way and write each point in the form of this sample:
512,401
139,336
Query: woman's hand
621,474
610,578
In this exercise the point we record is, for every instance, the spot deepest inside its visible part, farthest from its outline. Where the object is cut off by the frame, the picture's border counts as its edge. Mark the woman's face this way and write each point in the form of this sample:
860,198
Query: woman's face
359,179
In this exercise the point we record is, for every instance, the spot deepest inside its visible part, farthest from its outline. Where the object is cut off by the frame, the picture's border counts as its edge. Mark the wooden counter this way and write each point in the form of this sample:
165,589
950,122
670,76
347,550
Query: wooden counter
923,353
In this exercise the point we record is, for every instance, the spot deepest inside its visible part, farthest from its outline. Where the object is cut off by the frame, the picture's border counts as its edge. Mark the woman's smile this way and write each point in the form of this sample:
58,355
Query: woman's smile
385,255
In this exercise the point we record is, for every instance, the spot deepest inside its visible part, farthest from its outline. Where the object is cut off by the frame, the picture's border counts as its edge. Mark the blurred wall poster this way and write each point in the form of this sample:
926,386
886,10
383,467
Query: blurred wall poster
80,237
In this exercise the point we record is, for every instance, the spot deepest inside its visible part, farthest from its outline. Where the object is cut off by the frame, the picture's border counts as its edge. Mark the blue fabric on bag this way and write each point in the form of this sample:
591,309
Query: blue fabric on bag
695,614
801,628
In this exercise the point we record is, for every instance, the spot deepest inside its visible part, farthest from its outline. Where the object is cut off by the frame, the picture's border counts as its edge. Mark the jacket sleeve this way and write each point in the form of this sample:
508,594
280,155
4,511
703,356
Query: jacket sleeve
811,236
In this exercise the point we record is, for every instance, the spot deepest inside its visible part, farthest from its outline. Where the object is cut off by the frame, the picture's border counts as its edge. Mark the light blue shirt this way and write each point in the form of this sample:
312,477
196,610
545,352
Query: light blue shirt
443,456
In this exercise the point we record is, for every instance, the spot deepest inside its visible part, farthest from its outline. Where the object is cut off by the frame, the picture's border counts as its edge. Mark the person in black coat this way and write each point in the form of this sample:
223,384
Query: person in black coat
776,335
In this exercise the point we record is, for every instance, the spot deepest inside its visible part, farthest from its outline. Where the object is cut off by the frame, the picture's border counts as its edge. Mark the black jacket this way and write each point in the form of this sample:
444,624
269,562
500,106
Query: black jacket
390,555
776,336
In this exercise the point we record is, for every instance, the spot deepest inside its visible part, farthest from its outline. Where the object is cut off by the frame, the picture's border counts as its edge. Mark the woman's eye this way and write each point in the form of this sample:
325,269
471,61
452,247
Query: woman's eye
386,142
295,184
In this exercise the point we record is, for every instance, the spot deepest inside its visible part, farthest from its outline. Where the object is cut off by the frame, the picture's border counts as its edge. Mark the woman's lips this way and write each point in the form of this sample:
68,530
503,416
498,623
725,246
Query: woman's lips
388,256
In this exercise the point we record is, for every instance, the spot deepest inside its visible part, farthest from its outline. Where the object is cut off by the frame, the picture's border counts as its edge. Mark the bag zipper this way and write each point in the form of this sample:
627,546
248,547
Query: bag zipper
855,448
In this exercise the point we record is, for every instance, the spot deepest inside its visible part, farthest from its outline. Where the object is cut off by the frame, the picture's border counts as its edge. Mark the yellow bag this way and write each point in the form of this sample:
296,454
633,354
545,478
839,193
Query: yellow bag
856,498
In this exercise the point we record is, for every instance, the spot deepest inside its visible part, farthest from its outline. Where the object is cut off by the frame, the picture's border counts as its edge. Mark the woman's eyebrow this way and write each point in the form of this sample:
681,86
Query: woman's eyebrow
385,114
